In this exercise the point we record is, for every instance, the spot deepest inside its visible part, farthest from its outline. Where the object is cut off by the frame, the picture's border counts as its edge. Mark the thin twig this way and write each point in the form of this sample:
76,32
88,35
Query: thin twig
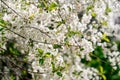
24,18
62,44
15,33
12,9
39,30
67,29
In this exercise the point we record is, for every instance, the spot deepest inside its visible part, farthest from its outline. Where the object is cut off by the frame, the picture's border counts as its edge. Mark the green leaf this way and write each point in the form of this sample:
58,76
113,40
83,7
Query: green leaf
99,52
105,38
42,4
40,52
107,10
55,46
104,23
24,72
48,54
31,17
3,23
81,49
52,6
41,61
14,51
101,69
90,7
115,77
94,1
104,77
53,67
66,41
59,74
1,28
72,33
118,45
93,14
12,77
59,68
77,72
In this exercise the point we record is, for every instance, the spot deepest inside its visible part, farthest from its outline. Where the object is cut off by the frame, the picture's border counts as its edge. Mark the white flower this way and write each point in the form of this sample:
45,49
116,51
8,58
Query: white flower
86,18
6,17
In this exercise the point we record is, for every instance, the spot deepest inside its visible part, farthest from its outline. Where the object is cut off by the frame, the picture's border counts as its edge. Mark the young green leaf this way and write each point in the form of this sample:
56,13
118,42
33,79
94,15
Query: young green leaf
55,46
107,10
41,61
90,7
104,23
59,74
105,38
40,51
72,33
52,6
48,54
3,23
93,14
53,67
12,77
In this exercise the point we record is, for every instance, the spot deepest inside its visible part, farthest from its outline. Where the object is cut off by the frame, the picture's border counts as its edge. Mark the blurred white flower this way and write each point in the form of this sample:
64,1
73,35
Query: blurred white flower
6,17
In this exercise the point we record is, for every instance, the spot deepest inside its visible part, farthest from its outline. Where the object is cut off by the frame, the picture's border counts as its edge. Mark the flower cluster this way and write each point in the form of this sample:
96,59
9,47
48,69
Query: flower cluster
64,39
